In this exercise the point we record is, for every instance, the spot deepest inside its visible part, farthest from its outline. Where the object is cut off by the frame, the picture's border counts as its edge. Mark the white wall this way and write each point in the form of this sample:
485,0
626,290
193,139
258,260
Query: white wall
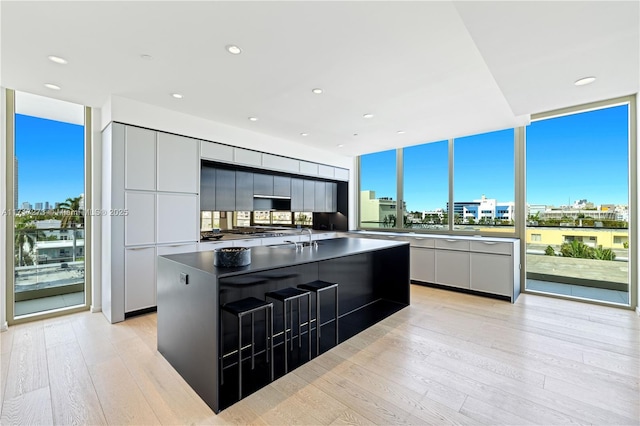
96,199
140,114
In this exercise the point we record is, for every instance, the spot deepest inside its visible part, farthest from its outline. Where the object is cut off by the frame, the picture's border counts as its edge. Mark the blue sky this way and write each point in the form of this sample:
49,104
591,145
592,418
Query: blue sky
50,160
568,158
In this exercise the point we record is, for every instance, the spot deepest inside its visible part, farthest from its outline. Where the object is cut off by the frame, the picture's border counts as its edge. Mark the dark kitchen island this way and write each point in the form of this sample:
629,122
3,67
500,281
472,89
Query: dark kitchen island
373,278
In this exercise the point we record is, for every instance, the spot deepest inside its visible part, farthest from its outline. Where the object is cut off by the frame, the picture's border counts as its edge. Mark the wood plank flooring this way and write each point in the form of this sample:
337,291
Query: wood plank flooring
449,358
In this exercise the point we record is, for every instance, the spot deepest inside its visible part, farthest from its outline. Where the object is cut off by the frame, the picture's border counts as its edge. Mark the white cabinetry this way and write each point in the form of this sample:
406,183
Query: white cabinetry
492,267
452,268
177,218
423,262
139,159
176,249
152,177
140,220
178,164
140,278
216,152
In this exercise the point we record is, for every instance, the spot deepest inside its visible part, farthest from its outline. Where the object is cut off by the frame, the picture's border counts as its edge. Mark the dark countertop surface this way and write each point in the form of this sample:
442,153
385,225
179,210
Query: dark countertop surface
265,258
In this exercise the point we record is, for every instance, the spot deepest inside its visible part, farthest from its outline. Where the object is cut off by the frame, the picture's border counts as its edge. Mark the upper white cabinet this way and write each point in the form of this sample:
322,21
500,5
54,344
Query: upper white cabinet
341,174
140,158
307,168
248,157
177,218
284,164
216,152
139,223
178,164
325,171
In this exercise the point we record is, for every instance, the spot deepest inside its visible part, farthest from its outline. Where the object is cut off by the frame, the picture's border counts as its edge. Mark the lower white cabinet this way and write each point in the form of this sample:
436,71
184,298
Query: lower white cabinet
492,273
452,268
140,278
248,242
423,264
212,245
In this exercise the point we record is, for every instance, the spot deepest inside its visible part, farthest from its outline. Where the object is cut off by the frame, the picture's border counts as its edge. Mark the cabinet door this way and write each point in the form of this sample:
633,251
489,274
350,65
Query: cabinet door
178,163
225,190
452,268
212,245
492,273
423,264
309,201
248,242
297,195
282,186
262,184
139,278
320,197
244,191
177,218
140,221
331,197
140,159
207,188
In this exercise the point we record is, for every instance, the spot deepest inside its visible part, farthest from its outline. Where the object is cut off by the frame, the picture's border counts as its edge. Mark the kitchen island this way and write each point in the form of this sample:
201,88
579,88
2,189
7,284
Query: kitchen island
373,279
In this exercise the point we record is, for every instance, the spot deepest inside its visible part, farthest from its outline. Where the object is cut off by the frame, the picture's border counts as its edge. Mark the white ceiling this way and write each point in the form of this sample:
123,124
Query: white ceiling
432,69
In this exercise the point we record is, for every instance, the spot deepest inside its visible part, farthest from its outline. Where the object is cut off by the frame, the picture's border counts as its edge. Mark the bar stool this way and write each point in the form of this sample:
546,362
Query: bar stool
317,287
285,295
240,308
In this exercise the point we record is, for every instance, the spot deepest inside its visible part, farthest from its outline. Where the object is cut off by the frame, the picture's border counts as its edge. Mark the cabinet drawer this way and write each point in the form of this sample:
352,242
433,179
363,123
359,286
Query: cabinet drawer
422,242
452,244
210,246
491,247
176,249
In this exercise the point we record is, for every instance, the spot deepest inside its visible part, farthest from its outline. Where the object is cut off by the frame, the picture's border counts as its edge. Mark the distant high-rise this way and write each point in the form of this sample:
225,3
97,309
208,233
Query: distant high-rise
46,205
38,206
26,205
15,182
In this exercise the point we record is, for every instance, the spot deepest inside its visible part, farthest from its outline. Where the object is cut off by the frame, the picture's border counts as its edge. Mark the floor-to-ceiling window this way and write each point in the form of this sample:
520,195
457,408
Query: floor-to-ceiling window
577,236
378,195
426,186
49,239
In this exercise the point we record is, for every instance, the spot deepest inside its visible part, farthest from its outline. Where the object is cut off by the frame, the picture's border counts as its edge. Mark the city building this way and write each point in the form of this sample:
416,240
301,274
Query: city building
377,212
26,205
38,206
483,210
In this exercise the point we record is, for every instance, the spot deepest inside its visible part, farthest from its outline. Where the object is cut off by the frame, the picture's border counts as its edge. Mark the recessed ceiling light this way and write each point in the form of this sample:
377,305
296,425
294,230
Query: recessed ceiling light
340,145
177,95
253,119
355,134
52,86
146,57
57,59
233,49
368,116
317,91
304,134
584,81
401,132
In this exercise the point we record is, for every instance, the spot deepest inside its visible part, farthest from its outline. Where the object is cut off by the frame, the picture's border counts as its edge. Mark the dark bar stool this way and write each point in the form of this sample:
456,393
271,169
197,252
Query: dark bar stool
285,295
240,308
317,287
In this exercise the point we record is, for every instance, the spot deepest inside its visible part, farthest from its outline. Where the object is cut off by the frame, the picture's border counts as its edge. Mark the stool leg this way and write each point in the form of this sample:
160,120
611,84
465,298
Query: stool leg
284,331
317,323
271,335
239,357
253,343
309,322
336,315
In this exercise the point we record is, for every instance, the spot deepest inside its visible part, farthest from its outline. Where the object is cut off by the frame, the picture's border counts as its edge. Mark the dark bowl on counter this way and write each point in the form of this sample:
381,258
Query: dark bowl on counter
231,257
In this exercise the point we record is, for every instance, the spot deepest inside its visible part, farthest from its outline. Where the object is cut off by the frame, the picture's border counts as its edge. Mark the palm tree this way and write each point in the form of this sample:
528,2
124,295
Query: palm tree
73,218
25,233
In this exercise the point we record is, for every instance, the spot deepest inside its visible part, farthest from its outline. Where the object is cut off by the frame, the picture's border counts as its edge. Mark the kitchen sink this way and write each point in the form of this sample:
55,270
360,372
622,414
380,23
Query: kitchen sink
292,246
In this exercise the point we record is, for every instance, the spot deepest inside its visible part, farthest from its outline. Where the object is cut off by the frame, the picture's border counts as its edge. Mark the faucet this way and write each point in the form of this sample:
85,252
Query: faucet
311,242
292,242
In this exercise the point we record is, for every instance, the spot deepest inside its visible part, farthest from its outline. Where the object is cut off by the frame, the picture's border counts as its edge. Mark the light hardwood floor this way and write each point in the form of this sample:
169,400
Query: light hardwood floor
448,358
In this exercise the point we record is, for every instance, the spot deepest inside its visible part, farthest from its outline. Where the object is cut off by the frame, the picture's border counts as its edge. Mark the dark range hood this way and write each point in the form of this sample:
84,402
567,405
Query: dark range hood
270,203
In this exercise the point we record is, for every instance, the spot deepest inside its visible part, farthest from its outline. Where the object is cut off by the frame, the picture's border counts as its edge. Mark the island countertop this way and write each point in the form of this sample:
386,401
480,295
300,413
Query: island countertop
265,257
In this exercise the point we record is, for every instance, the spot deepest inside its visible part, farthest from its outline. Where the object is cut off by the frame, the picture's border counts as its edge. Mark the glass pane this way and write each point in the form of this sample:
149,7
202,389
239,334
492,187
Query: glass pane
378,190
484,182
426,185
49,222
578,205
